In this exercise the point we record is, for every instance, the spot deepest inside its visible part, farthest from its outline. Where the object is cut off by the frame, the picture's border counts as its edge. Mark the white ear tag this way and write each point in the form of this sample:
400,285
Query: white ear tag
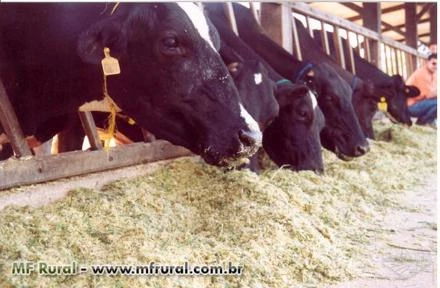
110,65
258,78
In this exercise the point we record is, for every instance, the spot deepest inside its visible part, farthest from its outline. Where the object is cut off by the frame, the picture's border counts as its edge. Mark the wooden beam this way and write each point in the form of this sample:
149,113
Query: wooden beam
371,20
352,6
403,25
411,29
276,20
306,9
410,25
426,8
392,28
10,124
46,168
433,23
89,127
384,11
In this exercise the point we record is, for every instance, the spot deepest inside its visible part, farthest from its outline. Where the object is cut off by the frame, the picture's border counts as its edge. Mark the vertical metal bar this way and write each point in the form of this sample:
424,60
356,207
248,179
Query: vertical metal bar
358,48
298,52
367,49
384,51
338,47
89,127
309,27
324,39
390,60
286,27
10,124
404,69
399,61
350,54
229,11
255,12
396,62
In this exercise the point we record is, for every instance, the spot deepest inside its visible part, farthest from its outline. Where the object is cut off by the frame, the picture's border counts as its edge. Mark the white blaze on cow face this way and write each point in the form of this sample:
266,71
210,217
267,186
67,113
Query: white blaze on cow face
195,14
313,98
252,124
258,78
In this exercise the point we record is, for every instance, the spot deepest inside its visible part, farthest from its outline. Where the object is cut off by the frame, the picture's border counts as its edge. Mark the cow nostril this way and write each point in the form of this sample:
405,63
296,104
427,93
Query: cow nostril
362,149
247,138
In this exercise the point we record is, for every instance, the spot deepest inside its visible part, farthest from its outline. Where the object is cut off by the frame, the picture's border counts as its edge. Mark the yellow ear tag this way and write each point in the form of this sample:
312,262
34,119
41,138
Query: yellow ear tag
110,65
131,121
382,105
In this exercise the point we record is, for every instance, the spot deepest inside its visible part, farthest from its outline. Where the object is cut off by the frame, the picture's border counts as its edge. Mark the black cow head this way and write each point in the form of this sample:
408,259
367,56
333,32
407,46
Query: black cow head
255,87
396,93
293,137
173,81
365,105
342,133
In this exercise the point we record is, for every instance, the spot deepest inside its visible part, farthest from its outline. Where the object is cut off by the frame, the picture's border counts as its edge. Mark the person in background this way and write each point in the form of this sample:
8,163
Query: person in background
424,106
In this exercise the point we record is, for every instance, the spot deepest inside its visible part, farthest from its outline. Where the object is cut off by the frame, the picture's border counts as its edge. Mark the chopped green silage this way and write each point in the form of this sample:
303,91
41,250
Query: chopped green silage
286,229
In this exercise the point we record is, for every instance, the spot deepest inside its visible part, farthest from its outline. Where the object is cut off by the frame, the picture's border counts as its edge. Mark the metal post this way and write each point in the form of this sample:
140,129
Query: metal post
324,39
371,19
229,11
338,47
279,31
411,29
89,127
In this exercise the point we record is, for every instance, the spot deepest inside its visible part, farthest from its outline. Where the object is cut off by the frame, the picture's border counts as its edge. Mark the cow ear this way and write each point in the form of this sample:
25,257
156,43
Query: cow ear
299,90
284,92
411,91
108,33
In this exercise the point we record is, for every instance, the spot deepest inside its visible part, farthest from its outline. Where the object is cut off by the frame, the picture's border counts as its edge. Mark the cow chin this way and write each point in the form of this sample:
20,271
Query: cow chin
330,142
341,155
241,157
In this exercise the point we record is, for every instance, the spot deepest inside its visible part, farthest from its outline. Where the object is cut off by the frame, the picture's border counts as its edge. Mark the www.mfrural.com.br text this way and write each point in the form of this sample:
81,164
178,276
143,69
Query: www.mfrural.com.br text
150,269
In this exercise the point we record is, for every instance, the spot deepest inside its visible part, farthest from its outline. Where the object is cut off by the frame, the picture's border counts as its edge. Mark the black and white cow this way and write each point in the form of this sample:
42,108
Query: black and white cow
342,133
172,82
291,128
377,84
364,104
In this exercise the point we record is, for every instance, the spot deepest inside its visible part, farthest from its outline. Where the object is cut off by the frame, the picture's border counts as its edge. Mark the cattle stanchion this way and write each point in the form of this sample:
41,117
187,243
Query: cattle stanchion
89,127
51,167
9,121
229,11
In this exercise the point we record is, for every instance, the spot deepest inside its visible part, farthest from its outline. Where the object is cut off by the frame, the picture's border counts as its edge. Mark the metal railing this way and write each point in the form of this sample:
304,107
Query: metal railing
392,57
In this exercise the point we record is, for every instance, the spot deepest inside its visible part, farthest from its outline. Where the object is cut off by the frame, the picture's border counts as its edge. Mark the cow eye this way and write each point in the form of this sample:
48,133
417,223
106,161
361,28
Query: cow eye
302,114
170,45
170,42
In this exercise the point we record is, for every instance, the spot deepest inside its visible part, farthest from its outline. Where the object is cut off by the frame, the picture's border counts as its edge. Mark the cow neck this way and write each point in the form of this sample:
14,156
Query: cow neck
354,81
232,40
278,58
367,71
